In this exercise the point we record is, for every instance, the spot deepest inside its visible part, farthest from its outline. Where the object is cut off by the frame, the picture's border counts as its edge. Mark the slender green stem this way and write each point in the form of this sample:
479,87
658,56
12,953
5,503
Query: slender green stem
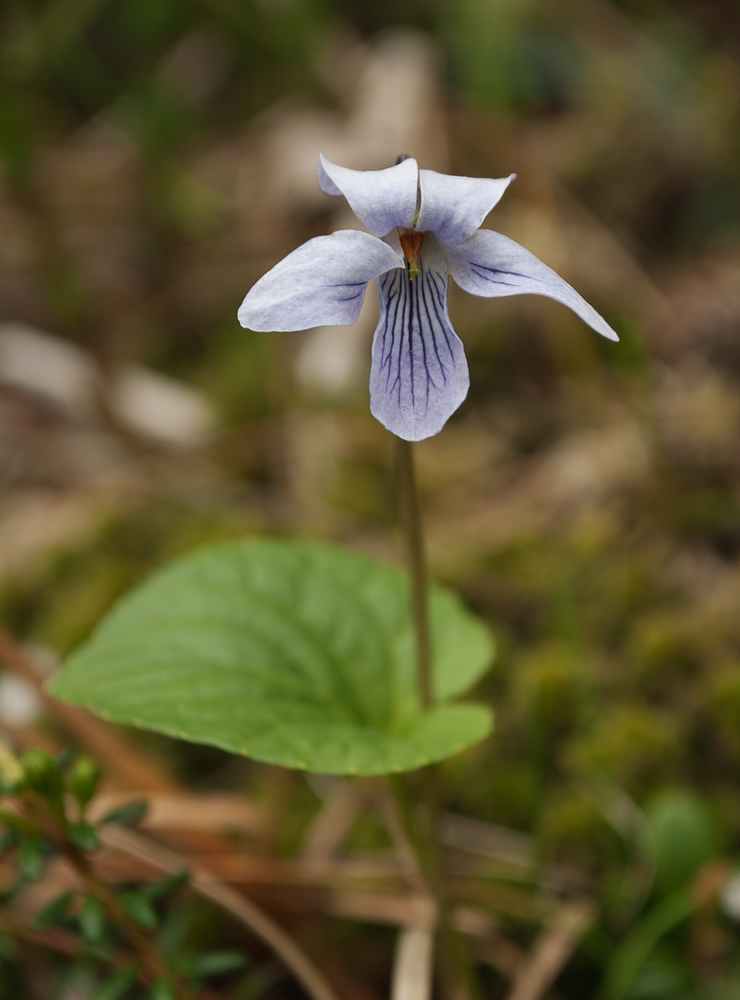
411,514
454,969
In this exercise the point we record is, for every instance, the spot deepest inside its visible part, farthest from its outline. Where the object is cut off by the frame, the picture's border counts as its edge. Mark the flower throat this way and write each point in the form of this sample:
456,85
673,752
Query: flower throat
411,242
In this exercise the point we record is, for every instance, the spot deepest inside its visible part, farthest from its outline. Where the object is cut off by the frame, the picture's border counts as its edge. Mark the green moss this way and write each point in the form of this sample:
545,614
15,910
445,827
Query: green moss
549,680
573,826
722,692
637,746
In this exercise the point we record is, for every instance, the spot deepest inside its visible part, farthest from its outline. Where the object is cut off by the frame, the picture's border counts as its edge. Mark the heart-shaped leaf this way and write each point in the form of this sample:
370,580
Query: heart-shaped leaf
292,652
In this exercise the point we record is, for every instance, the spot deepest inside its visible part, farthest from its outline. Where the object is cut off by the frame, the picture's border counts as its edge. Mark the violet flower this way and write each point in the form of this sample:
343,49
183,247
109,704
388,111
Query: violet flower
424,225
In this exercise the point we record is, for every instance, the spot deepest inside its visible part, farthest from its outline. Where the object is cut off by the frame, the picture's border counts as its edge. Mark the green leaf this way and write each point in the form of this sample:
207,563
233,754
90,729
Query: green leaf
162,990
139,909
11,772
8,840
54,913
16,824
632,954
216,963
31,858
92,920
257,984
104,951
7,948
42,776
83,781
8,787
294,653
158,890
40,772
684,837
66,757
128,815
118,985
83,835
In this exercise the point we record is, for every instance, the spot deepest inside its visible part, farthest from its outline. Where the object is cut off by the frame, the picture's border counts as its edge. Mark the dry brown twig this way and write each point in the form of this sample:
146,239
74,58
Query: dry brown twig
238,906
331,823
552,950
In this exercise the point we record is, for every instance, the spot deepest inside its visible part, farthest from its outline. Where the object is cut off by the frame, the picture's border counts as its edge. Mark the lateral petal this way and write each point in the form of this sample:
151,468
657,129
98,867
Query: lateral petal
419,373
490,264
322,283
381,199
454,207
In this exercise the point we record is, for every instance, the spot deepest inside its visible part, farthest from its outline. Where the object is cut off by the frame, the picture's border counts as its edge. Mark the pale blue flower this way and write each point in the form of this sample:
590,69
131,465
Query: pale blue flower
425,225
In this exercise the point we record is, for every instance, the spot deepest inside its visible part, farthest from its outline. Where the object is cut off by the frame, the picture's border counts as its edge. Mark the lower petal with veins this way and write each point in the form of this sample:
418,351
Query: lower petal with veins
419,374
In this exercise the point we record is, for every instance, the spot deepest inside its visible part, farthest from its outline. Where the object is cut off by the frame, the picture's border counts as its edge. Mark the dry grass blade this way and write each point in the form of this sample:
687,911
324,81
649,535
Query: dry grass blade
552,950
388,809
214,811
332,822
259,870
512,850
412,910
375,908
412,967
240,908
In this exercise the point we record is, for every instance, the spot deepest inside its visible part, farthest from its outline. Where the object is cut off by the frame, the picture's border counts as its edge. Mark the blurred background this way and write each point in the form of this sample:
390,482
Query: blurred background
157,156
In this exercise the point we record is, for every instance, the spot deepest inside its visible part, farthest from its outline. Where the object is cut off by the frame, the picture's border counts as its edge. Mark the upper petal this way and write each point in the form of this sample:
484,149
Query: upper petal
490,264
381,199
419,374
454,207
322,283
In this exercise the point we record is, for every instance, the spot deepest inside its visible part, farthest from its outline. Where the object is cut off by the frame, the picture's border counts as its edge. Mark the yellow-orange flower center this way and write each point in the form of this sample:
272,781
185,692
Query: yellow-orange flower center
411,242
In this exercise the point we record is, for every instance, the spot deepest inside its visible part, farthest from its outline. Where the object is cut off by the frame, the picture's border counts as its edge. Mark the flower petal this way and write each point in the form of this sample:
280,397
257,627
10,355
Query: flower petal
454,207
490,264
419,374
322,283
381,199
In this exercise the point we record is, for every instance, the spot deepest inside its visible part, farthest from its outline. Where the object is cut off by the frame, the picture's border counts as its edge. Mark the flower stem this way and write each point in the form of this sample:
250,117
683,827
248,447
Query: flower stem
455,973
411,515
